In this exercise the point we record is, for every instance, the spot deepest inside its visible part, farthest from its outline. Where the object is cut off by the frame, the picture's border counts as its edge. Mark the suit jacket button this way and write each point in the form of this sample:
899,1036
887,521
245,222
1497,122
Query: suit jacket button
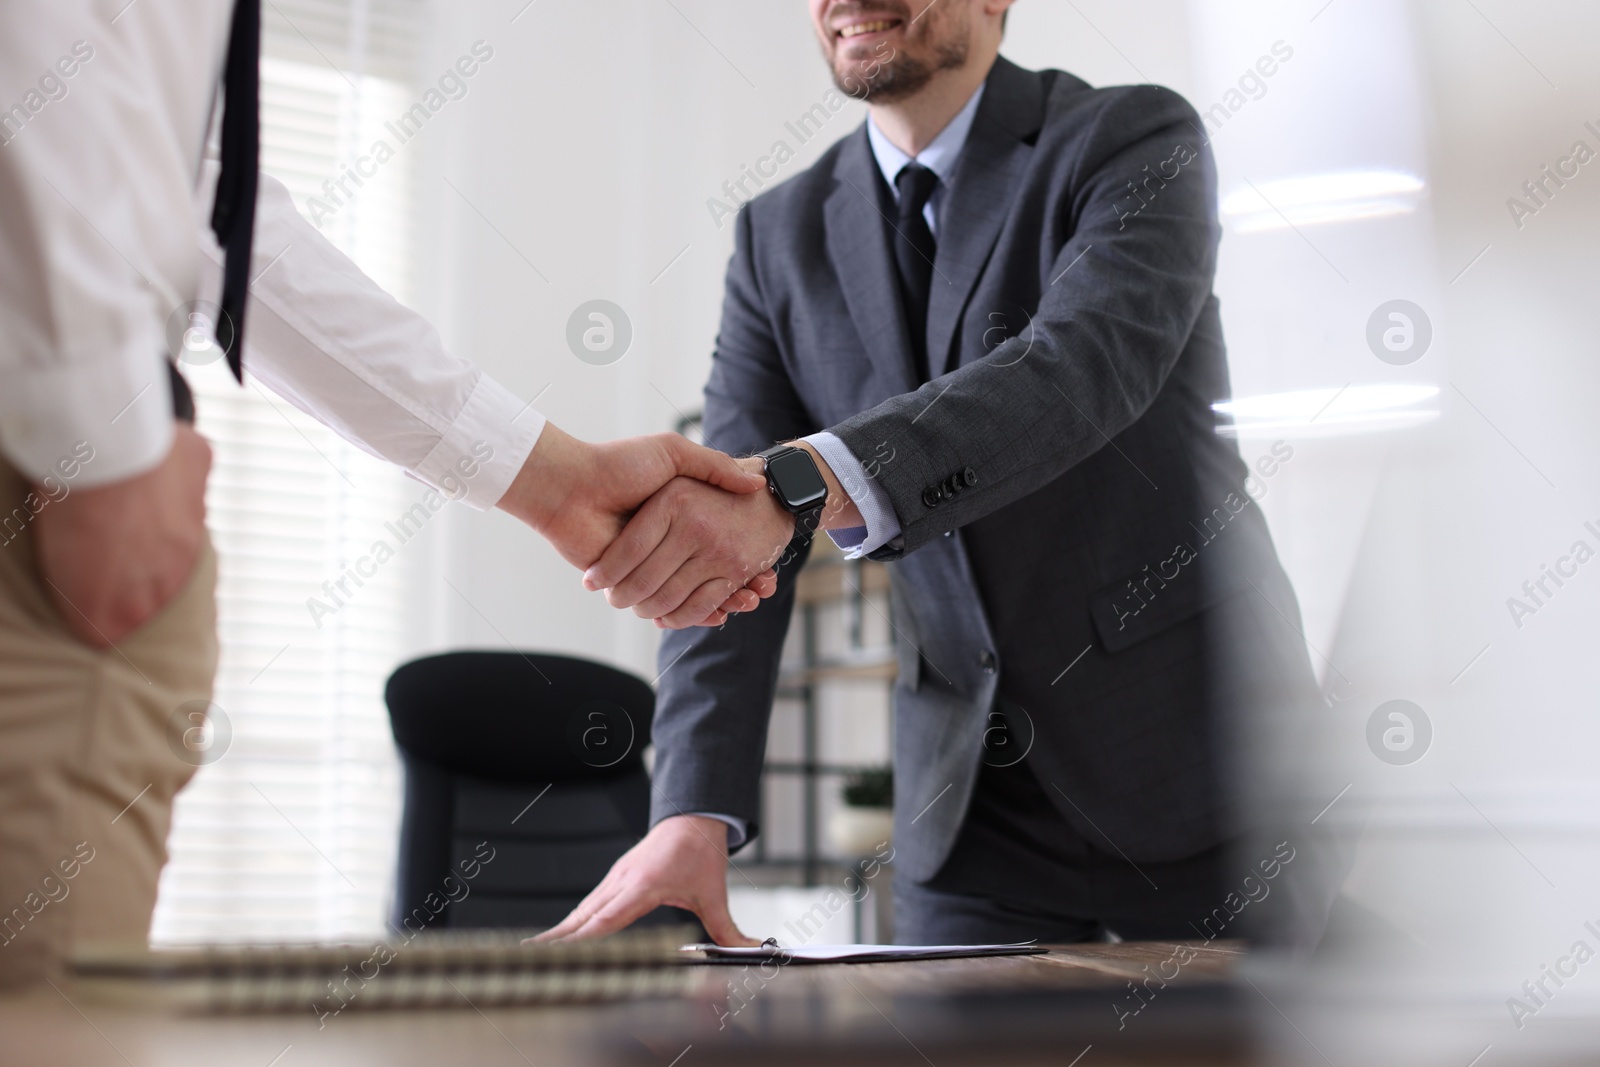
986,661
969,477
932,497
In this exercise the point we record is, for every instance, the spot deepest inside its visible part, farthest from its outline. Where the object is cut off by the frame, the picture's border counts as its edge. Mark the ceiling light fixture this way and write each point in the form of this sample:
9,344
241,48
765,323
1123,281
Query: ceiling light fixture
1355,409
1319,199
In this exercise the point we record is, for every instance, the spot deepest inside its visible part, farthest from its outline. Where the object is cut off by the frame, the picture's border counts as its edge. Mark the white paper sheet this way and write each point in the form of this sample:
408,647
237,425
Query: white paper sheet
858,953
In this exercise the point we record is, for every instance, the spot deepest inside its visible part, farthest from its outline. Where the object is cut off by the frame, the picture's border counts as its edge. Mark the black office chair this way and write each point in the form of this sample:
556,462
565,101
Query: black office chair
535,757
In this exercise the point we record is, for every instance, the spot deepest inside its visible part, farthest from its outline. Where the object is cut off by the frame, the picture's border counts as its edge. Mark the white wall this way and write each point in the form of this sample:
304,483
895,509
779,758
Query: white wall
1485,848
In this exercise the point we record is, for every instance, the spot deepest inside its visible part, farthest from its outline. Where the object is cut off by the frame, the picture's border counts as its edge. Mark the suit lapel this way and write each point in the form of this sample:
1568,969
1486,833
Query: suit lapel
996,154
858,245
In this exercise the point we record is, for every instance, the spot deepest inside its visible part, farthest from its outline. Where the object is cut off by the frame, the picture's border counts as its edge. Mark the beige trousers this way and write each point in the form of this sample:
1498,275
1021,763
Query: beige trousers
92,752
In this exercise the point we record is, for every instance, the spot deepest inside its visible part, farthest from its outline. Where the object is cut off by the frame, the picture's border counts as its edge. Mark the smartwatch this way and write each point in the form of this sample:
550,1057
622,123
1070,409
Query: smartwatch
793,478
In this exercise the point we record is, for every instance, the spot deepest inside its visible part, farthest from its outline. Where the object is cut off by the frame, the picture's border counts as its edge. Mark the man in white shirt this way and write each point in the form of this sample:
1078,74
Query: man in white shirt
107,617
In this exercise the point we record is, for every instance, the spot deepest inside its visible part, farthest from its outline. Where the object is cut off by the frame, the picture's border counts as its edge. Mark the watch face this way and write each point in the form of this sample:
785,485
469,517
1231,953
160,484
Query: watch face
795,478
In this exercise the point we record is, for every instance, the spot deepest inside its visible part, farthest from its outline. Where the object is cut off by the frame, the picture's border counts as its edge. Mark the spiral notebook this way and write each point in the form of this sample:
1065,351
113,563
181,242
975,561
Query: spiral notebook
445,969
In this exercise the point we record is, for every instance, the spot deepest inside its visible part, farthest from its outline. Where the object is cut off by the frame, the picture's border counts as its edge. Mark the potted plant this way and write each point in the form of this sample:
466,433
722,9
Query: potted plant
866,819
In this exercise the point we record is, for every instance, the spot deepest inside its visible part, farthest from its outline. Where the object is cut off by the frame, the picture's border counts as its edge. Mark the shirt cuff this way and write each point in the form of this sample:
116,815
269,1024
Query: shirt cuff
738,829
117,410
479,456
868,496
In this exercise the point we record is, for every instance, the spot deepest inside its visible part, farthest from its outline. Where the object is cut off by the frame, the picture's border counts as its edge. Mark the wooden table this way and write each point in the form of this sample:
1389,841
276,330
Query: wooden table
1014,1010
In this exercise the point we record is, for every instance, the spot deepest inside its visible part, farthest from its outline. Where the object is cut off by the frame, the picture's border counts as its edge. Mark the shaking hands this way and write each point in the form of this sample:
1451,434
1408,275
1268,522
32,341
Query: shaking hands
691,499
690,537
680,533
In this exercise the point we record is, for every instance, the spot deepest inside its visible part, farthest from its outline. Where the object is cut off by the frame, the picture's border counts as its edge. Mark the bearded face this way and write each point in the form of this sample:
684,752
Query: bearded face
887,50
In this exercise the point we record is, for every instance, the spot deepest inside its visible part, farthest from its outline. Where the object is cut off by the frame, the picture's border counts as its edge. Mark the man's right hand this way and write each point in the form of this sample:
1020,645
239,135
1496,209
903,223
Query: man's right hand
579,497
113,556
686,541
682,862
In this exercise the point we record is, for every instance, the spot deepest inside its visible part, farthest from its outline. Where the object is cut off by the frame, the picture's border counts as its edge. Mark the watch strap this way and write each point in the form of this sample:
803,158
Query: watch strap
807,522
776,450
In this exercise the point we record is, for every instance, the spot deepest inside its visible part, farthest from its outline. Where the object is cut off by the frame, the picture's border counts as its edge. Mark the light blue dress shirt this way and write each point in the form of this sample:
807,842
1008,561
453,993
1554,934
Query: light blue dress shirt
942,156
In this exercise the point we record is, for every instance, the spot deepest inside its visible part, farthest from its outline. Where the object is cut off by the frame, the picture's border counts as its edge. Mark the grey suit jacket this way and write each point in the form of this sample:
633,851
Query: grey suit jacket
1081,353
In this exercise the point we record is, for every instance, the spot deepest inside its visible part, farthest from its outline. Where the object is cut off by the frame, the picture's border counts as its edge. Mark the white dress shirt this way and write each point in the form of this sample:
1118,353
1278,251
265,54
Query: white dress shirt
105,200
942,156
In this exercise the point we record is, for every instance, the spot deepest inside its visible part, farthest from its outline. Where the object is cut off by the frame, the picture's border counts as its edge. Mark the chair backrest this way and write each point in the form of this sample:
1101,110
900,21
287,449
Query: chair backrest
524,783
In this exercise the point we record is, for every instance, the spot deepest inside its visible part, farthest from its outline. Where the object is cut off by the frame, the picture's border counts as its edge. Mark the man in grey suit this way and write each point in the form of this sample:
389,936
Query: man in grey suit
986,318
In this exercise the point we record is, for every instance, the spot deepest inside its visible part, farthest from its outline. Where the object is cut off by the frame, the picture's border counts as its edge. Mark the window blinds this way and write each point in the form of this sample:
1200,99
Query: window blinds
288,830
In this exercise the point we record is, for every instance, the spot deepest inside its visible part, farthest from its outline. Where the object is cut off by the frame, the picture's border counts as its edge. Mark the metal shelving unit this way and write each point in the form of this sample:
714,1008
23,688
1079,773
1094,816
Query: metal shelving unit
828,581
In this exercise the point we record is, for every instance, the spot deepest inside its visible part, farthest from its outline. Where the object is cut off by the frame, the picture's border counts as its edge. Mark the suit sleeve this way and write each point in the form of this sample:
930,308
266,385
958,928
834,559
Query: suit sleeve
1126,289
716,688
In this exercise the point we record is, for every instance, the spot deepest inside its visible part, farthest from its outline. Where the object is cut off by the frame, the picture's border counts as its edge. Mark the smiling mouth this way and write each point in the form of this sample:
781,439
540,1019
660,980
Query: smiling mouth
859,29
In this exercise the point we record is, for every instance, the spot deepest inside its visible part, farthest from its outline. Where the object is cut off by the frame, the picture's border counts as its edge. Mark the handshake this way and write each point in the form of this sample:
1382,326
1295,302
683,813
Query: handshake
680,533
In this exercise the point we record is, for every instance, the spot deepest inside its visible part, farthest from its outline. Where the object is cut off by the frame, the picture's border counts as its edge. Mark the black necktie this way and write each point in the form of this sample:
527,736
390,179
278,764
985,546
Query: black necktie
233,211
914,250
